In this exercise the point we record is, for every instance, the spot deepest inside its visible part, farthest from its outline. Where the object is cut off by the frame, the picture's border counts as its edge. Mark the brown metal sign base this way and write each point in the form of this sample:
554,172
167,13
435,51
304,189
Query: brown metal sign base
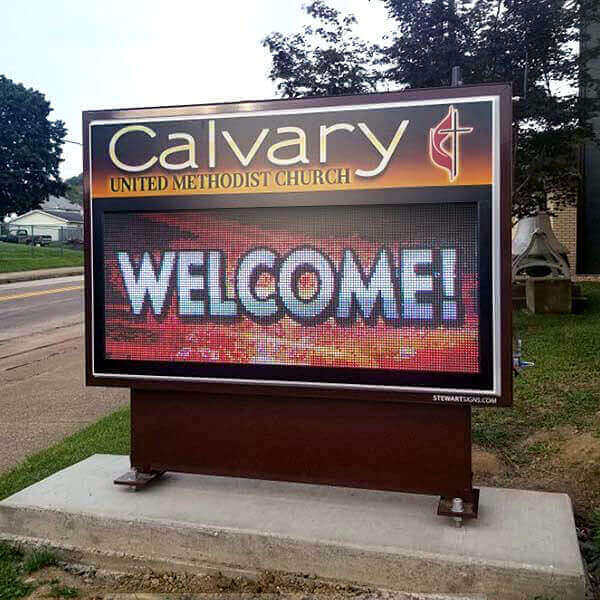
470,508
136,479
390,446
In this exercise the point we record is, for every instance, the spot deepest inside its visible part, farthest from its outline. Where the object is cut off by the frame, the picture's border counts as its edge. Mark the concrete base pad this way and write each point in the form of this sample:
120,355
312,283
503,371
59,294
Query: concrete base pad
523,544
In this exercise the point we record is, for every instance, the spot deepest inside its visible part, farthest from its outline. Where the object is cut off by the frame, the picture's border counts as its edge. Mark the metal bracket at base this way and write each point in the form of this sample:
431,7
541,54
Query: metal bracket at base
136,479
470,510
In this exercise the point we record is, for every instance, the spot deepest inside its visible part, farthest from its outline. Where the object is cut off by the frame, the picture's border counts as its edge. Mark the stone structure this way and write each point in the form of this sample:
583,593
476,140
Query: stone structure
536,252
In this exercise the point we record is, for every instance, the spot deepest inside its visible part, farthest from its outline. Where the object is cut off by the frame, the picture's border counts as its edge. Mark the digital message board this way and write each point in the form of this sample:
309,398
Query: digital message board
353,243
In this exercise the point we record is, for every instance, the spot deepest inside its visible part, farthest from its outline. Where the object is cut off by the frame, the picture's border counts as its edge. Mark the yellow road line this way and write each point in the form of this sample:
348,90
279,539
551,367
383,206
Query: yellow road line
41,293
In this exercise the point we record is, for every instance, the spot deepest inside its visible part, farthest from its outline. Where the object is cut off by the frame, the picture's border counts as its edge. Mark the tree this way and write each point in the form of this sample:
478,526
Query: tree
532,43
30,149
326,60
75,189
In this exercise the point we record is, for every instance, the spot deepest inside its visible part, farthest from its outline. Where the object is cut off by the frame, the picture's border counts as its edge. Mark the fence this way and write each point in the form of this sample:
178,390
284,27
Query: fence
39,240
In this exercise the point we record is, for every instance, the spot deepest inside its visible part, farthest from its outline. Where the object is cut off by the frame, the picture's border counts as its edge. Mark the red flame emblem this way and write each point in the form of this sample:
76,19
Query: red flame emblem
444,143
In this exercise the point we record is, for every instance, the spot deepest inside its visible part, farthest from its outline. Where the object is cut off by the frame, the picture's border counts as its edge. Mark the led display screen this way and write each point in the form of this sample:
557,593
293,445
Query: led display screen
378,287
352,246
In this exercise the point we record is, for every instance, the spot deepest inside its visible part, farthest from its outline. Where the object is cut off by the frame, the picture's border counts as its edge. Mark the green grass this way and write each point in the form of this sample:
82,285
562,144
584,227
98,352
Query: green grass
11,581
20,257
38,559
62,591
562,389
110,435
14,564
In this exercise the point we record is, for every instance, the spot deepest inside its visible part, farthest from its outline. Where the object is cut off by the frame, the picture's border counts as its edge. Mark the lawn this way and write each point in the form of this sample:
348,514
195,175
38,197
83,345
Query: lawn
20,257
110,435
15,565
550,439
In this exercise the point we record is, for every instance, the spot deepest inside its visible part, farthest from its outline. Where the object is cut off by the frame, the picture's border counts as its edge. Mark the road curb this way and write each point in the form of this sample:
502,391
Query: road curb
40,274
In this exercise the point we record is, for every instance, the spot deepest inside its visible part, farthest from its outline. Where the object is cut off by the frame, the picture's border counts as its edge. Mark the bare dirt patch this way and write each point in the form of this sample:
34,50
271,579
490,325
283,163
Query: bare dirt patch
486,464
83,582
557,460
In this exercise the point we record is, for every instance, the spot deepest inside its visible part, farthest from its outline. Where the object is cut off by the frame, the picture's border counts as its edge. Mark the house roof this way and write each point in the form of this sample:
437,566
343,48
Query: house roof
59,203
67,215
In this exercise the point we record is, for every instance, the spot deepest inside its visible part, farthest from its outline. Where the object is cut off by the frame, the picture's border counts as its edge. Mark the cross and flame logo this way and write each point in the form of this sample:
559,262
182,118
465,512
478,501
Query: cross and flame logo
444,143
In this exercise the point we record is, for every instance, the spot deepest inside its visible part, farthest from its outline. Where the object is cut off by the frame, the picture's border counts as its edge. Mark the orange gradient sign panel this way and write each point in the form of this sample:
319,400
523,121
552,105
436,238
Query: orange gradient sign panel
380,147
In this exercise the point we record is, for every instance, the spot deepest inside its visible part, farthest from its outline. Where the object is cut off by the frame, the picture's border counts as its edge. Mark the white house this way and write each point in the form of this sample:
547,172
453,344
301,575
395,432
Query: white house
60,224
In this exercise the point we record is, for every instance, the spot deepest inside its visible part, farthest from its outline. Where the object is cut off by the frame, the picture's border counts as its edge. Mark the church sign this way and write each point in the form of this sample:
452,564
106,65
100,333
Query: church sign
355,245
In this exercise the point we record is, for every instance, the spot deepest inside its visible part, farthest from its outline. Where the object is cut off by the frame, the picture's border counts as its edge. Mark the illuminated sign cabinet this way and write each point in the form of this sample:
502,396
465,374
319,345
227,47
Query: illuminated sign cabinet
355,245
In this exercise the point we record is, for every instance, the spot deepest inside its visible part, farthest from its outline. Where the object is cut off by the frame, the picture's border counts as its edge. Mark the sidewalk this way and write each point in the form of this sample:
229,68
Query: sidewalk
39,274
43,394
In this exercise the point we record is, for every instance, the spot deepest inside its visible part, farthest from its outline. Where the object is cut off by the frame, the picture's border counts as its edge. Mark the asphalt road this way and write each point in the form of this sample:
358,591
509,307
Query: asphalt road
43,397
34,307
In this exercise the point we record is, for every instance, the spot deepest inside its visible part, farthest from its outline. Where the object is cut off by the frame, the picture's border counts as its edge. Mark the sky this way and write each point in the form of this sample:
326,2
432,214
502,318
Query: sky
85,54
